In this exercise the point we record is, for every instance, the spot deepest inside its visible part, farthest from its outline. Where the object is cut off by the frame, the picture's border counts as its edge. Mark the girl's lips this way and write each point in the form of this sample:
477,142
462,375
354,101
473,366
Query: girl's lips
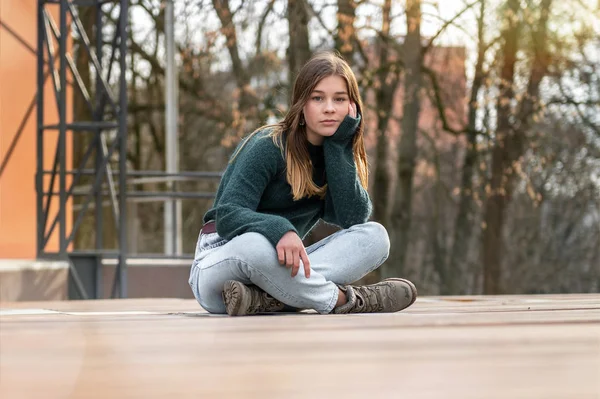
329,122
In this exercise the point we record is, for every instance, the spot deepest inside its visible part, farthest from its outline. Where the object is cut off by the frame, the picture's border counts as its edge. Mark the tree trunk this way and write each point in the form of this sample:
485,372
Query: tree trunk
299,50
539,69
463,226
387,81
248,100
511,140
407,148
497,194
346,33
436,231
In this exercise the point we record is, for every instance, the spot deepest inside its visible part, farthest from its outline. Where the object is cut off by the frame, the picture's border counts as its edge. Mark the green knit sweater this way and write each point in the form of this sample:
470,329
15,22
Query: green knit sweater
254,196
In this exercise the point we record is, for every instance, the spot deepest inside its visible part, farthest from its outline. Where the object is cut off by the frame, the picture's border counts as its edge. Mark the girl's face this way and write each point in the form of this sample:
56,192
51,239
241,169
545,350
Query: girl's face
326,108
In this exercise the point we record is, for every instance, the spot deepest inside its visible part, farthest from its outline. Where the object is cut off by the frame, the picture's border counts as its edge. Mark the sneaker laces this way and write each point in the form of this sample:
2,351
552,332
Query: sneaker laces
367,299
262,302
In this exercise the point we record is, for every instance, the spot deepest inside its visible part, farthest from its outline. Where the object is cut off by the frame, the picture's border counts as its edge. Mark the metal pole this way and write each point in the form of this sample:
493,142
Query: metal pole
172,211
62,102
97,117
39,178
123,150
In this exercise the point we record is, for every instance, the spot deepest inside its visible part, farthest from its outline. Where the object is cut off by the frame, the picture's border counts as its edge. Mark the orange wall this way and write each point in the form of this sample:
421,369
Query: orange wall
18,86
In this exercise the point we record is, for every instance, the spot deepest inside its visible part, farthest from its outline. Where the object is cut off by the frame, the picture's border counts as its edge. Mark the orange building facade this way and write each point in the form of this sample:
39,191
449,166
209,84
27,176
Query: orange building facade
18,119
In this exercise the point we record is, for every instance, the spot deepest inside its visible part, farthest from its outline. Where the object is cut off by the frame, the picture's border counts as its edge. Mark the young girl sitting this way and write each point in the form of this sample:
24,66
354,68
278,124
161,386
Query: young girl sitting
279,182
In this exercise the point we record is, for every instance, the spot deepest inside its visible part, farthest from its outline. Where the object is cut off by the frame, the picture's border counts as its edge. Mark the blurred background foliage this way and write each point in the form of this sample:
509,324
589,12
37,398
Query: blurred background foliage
483,125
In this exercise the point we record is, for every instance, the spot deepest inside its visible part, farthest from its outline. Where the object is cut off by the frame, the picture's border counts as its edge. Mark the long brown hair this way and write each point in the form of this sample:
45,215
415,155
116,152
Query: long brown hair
291,138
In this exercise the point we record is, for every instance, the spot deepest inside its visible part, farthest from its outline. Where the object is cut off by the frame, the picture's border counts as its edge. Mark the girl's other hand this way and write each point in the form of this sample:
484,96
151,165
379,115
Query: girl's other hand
352,109
290,250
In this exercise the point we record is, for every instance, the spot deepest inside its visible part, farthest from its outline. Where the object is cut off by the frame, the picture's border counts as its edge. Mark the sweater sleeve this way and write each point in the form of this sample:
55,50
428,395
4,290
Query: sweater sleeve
347,203
252,170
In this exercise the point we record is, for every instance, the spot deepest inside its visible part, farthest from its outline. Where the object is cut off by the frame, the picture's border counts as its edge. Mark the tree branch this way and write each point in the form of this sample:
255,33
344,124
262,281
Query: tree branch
436,162
440,18
198,94
439,103
318,17
448,23
261,24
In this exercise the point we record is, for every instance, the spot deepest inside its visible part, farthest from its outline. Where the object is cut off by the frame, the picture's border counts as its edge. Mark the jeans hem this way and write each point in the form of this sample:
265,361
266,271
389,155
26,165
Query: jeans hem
334,298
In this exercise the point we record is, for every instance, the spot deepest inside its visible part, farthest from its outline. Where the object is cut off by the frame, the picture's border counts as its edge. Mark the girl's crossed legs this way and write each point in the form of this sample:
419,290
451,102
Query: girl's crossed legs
337,260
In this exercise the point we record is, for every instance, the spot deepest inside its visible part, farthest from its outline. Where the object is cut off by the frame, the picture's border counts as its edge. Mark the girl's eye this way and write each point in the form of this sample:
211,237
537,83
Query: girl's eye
320,98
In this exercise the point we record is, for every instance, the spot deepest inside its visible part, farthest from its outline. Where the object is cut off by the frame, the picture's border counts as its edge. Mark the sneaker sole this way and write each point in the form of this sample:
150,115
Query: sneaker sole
236,302
413,290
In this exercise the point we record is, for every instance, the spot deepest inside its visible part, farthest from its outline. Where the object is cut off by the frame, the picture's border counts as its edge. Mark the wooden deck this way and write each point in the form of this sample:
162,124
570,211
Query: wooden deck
454,347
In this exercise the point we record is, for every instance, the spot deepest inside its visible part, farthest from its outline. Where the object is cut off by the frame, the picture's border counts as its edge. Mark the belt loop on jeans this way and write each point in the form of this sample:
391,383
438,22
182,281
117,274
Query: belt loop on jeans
209,227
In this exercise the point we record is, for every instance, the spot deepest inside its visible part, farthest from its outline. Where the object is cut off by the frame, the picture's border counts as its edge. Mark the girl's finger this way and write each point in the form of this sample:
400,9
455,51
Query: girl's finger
289,258
296,260
296,264
305,262
281,255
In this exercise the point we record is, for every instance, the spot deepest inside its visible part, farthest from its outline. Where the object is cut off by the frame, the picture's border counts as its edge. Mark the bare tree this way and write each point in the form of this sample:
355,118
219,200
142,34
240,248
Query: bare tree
510,138
345,38
387,78
407,147
464,223
247,97
299,50
496,201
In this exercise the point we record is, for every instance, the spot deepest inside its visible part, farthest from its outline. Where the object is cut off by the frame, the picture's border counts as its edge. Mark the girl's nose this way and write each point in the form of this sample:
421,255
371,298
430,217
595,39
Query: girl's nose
329,106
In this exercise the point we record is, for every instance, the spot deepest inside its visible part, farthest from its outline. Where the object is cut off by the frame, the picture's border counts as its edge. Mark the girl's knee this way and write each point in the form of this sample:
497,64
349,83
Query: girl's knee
208,295
253,249
378,237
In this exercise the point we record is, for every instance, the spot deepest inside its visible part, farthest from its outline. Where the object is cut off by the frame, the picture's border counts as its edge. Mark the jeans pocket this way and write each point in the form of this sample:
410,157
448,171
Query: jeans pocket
206,242
214,242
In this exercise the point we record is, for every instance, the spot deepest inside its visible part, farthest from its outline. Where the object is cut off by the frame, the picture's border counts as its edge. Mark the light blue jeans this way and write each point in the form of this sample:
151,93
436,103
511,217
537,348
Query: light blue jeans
341,258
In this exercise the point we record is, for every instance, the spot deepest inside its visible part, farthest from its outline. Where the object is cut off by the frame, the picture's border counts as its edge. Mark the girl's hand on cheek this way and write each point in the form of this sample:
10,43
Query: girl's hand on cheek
352,109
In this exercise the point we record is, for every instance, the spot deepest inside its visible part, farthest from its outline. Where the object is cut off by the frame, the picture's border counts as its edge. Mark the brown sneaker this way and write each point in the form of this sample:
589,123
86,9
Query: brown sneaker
390,295
242,300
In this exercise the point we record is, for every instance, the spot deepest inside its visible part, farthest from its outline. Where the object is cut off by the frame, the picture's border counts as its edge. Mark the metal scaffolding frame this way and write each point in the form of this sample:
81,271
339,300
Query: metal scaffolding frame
109,118
107,103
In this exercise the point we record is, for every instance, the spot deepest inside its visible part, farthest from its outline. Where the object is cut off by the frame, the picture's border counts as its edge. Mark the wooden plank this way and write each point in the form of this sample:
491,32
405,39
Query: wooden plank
487,347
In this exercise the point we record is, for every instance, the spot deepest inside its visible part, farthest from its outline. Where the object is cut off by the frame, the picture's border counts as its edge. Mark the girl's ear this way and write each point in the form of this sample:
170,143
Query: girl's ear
302,119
